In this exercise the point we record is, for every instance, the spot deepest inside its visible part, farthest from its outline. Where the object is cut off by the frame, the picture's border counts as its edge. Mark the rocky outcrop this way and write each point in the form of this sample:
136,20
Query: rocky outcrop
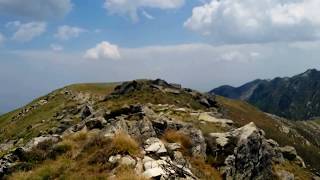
247,154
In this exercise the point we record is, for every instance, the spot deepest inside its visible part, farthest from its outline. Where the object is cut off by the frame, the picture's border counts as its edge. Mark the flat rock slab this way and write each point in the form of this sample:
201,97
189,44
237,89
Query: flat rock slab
208,118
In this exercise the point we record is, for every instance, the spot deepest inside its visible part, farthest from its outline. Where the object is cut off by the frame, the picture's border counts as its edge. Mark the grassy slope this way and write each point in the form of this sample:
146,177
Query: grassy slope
243,113
10,129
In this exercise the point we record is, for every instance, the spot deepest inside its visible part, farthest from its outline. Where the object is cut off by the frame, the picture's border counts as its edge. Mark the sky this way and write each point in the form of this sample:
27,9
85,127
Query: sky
202,44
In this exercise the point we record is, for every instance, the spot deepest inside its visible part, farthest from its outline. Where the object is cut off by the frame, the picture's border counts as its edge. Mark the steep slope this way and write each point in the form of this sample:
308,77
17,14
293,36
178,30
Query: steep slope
243,92
293,98
147,129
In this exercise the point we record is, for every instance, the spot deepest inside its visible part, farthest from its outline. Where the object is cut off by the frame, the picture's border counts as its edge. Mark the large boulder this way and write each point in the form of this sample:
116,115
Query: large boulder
248,155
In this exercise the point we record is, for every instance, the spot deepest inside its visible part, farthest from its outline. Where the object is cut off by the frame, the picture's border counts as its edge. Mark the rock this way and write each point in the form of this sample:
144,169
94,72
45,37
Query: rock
285,129
114,159
163,83
154,145
315,178
35,141
7,146
124,111
207,102
248,154
221,139
178,158
289,152
154,172
128,161
181,110
42,102
171,90
139,166
198,143
86,112
173,146
285,175
126,88
208,118
94,123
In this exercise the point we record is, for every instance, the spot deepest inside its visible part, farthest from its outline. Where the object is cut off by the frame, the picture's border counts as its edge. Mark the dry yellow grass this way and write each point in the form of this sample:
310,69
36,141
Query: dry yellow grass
203,170
127,173
299,173
122,143
173,136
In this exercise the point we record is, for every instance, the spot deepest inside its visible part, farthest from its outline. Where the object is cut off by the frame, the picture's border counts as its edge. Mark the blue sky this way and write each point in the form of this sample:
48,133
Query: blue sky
202,44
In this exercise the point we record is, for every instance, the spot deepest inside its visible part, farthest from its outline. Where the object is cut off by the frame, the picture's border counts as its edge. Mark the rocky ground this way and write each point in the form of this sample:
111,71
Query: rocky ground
145,130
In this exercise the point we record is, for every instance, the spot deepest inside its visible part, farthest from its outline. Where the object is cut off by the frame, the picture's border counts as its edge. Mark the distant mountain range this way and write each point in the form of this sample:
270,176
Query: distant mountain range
296,98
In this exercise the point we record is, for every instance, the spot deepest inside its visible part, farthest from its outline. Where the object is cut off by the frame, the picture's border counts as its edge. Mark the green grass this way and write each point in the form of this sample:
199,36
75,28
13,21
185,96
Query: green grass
149,95
94,88
15,129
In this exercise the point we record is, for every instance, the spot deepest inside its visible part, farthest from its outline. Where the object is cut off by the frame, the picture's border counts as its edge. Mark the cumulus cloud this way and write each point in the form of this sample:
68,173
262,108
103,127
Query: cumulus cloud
131,7
27,31
35,9
56,47
67,32
103,51
249,21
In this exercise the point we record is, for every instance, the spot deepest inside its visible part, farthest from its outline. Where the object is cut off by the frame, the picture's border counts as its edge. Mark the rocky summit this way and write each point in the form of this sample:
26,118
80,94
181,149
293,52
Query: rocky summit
147,129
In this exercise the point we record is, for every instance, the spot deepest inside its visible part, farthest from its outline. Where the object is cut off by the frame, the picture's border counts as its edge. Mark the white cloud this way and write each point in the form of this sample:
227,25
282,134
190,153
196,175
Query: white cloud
13,24
35,9
131,7
2,38
103,51
67,32
257,21
147,15
56,47
28,31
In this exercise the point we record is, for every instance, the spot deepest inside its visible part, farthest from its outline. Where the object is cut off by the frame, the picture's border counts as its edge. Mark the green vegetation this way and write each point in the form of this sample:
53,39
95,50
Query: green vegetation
149,95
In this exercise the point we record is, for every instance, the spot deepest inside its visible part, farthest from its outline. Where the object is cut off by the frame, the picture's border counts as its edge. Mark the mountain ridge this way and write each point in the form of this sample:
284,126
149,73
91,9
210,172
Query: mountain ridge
73,124
293,97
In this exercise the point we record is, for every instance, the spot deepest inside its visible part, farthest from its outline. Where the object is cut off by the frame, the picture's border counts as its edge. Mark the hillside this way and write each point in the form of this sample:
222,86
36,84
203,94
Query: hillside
150,129
294,98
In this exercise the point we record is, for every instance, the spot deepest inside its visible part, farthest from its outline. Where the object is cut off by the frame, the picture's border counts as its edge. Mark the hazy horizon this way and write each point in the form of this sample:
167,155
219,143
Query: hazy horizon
200,44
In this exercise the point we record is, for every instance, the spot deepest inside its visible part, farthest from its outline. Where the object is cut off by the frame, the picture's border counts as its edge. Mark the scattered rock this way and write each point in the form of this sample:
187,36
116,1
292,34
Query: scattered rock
154,145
